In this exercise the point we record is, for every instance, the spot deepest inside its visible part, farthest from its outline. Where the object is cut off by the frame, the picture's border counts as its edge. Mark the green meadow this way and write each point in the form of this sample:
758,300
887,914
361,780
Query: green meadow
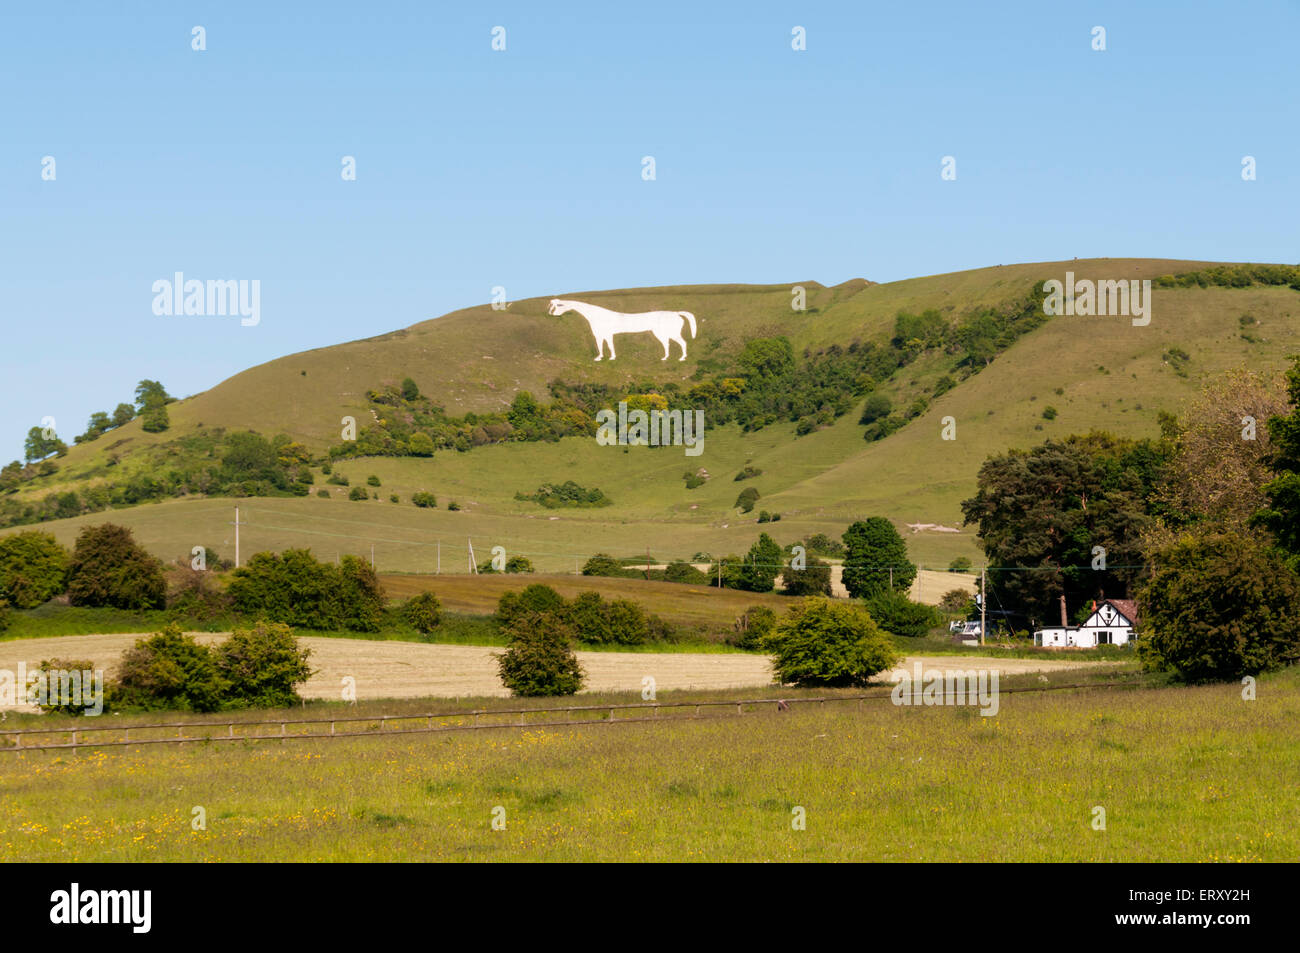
1186,774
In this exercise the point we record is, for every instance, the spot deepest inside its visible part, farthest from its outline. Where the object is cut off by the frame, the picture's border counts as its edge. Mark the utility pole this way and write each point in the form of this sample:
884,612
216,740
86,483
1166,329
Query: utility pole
438,571
984,601
372,555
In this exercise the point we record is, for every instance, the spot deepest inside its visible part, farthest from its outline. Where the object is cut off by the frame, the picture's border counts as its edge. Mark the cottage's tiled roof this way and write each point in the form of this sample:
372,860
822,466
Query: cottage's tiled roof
1128,607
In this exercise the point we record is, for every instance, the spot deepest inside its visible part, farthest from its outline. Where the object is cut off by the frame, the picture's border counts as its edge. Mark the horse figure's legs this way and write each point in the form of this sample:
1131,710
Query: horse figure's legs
680,340
663,339
610,341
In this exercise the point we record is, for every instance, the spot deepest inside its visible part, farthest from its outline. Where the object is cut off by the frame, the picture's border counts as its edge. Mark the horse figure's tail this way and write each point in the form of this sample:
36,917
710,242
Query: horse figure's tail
691,318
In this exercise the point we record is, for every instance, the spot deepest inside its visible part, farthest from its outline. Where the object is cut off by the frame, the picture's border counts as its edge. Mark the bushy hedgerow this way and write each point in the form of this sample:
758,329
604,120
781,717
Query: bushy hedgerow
603,564
824,642
589,617
33,569
294,588
168,670
108,568
257,667
683,572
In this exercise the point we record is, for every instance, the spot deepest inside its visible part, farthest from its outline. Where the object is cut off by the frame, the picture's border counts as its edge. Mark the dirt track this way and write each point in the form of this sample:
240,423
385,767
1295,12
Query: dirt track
413,669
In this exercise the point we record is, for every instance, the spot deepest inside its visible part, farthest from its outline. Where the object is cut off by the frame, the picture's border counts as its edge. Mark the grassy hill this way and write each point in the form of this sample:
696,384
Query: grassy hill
1097,372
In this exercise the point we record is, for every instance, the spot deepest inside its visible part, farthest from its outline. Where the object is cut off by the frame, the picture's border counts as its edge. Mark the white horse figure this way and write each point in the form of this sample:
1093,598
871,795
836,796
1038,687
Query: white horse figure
665,325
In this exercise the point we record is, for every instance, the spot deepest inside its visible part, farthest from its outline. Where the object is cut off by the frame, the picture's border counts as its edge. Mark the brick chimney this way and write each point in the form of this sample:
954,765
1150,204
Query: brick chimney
1064,621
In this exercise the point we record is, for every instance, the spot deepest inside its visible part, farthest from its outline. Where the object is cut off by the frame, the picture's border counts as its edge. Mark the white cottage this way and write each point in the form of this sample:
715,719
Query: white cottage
1111,623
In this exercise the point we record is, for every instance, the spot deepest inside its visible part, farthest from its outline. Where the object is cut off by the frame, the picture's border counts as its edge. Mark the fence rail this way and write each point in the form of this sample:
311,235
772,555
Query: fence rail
470,720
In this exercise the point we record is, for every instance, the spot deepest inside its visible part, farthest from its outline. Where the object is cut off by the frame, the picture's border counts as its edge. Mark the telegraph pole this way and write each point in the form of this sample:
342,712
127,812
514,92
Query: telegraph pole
984,601
438,571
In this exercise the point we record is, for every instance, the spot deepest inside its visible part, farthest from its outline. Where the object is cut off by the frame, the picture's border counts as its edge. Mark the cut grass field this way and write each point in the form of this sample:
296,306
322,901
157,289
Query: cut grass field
1183,774
399,669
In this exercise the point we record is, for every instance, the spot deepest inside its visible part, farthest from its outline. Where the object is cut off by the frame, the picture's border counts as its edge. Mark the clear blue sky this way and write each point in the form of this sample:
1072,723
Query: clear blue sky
522,168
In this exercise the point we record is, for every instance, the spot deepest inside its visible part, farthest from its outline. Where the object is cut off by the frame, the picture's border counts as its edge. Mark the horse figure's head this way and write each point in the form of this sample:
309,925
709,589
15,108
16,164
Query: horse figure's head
559,307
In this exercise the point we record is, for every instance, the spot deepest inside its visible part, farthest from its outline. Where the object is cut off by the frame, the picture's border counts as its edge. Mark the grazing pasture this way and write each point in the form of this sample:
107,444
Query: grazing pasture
1193,774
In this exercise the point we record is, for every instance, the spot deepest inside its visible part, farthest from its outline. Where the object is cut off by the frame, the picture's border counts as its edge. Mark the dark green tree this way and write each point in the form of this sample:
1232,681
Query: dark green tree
1218,606
824,642
813,580
33,569
38,446
123,414
1282,514
539,661
876,556
1048,516
109,568
762,564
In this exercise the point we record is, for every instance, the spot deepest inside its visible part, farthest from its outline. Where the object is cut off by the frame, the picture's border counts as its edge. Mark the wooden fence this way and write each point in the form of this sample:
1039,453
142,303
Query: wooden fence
429,722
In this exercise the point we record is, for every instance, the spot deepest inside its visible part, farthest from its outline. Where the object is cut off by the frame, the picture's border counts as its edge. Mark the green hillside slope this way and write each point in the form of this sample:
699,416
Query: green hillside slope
1097,372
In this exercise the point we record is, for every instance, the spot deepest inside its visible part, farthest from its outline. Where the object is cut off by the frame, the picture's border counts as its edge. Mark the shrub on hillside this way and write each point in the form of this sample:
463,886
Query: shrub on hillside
422,612
519,564
372,480
822,544
747,498
539,661
752,626
263,666
684,572
1219,607
960,564
358,493
33,569
747,473
822,642
602,564
896,613
423,499
108,568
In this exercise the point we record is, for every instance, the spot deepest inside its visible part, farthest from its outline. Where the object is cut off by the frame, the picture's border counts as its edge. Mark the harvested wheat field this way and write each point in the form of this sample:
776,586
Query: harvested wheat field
415,669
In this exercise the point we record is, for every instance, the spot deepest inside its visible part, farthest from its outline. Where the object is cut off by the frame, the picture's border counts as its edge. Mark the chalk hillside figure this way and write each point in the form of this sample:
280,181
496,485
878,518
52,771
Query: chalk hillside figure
664,325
